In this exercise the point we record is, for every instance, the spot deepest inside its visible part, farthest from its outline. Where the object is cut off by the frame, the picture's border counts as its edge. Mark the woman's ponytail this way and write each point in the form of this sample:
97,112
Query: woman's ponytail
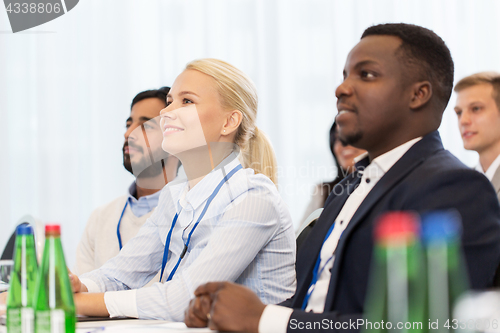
259,155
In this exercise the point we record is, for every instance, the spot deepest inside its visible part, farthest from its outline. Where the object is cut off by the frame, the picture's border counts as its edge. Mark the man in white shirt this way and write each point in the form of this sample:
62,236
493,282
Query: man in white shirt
112,225
478,112
397,82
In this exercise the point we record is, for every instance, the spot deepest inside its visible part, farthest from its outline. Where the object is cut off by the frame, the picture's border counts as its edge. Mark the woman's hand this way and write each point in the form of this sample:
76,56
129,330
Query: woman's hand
3,303
91,304
76,284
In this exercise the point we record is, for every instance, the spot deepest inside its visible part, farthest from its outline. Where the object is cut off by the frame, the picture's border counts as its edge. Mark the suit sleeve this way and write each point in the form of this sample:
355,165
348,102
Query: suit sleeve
466,191
287,302
472,195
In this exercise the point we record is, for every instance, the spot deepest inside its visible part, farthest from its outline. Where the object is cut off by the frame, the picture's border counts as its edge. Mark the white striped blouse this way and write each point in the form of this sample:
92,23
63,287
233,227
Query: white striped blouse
246,236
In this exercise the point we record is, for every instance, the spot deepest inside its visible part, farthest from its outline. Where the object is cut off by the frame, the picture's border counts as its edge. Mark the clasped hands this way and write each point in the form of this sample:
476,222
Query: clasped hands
224,306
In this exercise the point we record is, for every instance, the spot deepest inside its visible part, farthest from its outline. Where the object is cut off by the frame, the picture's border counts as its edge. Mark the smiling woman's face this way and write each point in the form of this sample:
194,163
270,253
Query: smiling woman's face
194,115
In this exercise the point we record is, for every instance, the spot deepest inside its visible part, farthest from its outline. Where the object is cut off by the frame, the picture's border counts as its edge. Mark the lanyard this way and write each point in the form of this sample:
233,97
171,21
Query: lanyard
118,227
169,235
316,271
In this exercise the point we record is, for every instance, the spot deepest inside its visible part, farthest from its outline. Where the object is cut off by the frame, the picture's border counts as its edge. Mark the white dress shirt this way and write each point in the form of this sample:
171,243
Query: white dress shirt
246,236
491,170
275,318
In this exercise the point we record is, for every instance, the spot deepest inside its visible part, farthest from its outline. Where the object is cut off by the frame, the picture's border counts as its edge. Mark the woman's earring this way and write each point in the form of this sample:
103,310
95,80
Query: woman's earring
224,131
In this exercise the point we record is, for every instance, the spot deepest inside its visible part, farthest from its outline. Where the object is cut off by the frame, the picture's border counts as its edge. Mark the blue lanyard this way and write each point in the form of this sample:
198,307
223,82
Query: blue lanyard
118,227
186,245
316,271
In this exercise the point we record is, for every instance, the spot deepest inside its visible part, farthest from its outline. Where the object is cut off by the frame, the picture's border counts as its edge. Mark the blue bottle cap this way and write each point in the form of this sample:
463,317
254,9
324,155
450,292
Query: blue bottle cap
441,225
24,229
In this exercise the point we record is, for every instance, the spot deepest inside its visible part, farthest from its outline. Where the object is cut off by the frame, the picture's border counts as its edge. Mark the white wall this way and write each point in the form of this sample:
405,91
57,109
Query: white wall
66,86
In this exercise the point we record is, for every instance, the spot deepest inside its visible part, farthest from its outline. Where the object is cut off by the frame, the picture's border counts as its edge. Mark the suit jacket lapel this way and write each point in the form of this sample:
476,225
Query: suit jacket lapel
307,256
410,160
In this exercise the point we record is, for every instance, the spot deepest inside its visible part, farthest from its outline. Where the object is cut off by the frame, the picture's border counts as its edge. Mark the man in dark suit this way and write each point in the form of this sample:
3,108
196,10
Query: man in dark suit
397,83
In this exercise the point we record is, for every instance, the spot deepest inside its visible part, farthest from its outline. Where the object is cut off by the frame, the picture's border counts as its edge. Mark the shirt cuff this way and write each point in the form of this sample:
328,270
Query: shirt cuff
274,319
121,303
92,287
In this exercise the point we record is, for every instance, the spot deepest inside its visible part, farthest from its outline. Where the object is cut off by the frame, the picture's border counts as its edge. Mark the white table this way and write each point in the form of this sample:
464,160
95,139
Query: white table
131,326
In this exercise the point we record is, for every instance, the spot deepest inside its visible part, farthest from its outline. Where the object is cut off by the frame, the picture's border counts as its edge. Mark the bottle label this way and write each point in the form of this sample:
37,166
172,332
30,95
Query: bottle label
52,321
21,320
13,320
57,321
27,320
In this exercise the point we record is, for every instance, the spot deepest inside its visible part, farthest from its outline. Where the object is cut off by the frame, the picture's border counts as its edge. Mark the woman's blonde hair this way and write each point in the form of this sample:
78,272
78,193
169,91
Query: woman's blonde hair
238,92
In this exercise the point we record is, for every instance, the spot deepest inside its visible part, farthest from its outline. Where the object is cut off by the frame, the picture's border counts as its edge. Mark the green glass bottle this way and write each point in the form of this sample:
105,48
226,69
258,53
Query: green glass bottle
395,299
54,304
446,273
20,313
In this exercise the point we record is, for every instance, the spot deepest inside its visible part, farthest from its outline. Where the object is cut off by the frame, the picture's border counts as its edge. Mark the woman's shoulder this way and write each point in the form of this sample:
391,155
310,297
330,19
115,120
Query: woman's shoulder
259,188
257,195
256,182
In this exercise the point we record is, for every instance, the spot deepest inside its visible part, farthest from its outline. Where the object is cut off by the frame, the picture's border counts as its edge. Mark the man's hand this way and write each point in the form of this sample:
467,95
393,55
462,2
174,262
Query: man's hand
234,308
197,311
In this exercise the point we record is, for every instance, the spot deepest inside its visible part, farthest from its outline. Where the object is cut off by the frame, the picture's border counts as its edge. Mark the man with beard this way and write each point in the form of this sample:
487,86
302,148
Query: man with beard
112,225
397,82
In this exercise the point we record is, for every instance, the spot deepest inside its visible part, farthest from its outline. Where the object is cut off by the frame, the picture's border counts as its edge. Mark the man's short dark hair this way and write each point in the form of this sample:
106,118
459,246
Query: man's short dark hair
426,52
153,93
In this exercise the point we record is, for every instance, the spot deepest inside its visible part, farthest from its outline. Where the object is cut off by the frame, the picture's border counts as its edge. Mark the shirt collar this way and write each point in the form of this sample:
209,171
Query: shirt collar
490,173
479,168
361,162
192,199
147,202
388,159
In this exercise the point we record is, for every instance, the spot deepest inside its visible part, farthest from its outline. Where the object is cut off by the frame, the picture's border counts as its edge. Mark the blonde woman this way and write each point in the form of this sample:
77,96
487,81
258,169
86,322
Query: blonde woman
225,222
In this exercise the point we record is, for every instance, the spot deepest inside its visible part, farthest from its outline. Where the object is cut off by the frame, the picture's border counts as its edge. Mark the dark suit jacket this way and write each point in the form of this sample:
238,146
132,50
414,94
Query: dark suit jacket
426,178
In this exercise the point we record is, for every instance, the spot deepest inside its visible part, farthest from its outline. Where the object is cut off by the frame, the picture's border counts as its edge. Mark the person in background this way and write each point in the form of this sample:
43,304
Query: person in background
112,225
225,222
397,82
343,156
478,112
